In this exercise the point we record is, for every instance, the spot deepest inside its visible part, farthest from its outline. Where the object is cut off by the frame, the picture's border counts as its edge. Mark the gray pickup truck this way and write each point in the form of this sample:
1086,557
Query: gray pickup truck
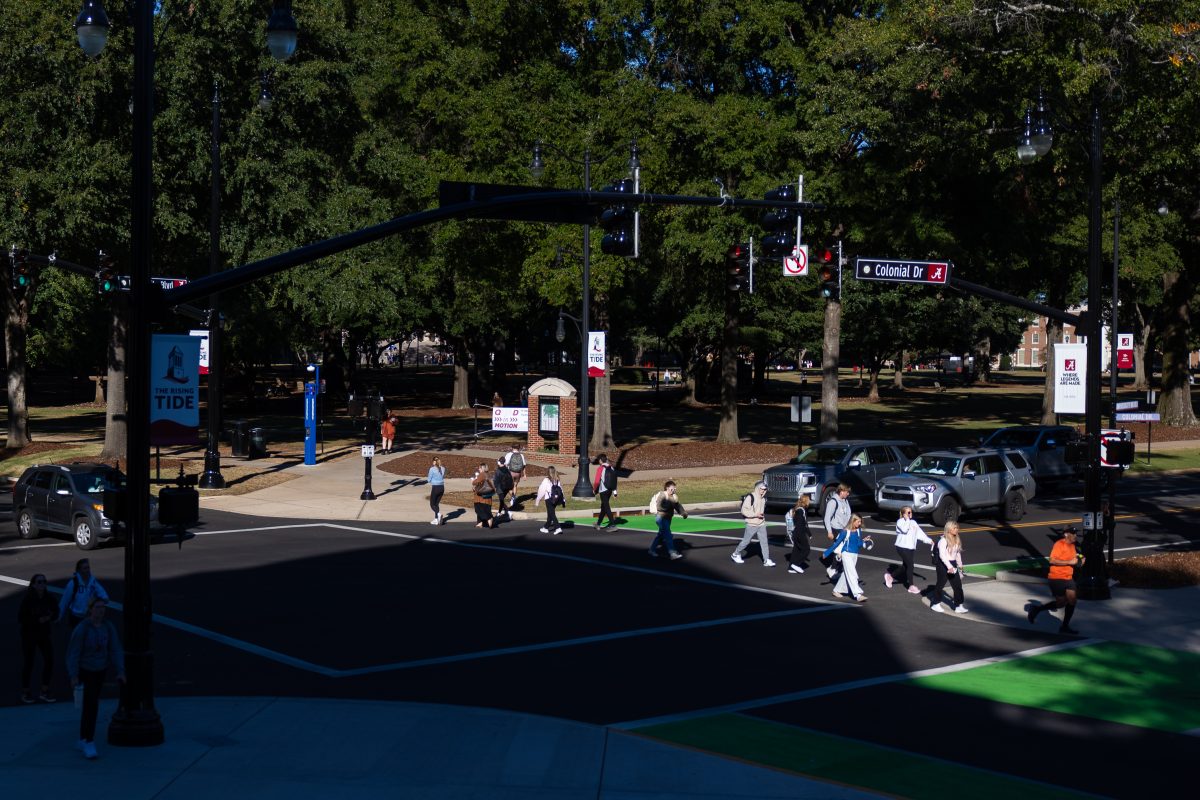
859,463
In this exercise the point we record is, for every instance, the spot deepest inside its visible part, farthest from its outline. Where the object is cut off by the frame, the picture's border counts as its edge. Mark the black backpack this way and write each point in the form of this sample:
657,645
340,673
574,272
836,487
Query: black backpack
556,495
608,479
503,480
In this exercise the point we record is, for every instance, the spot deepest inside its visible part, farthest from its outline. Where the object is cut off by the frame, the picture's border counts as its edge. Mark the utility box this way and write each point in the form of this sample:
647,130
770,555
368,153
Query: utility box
178,505
257,444
239,439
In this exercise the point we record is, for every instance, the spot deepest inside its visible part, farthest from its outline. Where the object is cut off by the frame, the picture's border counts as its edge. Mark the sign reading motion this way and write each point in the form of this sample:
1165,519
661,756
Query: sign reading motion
901,271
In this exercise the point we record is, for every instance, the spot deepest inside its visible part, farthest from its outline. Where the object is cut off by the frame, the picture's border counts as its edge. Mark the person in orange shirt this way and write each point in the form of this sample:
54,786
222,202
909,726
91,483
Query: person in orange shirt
1063,560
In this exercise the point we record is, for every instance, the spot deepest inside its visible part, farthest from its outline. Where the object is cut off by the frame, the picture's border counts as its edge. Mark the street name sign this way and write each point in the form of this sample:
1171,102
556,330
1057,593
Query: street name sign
1151,417
1127,405
902,270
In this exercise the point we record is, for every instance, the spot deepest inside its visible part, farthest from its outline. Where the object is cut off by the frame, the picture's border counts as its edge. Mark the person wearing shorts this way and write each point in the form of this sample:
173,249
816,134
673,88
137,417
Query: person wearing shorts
1061,575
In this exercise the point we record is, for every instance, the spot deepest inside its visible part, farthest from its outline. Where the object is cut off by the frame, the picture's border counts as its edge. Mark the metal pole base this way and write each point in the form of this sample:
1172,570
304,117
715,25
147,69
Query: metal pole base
367,494
141,728
212,477
583,485
1092,583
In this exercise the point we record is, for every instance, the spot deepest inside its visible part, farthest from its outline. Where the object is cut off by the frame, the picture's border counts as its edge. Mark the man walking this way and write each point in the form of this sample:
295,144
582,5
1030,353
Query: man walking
836,518
1063,560
606,487
754,511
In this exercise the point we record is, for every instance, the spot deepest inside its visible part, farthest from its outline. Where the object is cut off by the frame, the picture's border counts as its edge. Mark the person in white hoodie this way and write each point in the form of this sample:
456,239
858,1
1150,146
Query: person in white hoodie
908,533
546,493
754,511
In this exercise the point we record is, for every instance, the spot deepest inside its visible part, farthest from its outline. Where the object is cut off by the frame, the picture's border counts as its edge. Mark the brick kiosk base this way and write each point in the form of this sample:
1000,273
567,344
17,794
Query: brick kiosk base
568,434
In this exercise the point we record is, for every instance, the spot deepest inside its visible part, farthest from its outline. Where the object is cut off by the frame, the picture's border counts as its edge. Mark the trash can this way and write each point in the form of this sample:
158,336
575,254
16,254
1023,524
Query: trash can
258,444
238,438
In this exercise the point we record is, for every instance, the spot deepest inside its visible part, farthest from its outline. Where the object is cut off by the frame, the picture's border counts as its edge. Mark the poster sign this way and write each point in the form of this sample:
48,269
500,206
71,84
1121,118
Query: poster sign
510,418
202,335
1070,378
548,416
1124,351
174,389
596,359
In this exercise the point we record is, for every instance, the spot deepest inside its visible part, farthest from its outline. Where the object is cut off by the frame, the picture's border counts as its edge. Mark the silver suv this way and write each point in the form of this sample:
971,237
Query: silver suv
858,463
944,483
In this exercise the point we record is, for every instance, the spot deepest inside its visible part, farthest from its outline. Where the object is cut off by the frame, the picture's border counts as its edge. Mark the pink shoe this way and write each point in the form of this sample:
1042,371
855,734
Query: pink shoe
887,579
913,590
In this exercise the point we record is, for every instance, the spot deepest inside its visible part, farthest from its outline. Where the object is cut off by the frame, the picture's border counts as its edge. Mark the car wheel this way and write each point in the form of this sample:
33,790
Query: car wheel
947,511
85,536
1014,506
26,527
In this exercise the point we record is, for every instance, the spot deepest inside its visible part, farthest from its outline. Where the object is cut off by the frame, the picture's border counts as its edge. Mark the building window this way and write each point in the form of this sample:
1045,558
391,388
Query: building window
1033,358
1020,360
1034,340
1036,322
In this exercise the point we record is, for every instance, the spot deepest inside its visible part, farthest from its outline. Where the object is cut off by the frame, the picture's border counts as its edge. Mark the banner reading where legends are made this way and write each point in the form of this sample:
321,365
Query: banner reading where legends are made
174,389
1070,378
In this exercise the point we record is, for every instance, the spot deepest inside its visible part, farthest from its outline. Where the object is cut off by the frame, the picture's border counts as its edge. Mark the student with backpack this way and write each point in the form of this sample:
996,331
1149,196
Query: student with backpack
667,506
515,461
754,511
551,491
605,486
503,482
796,520
846,548
77,597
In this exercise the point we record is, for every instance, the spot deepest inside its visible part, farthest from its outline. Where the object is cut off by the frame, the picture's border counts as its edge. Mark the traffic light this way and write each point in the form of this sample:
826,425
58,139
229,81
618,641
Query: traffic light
620,224
737,266
106,276
781,224
22,272
829,271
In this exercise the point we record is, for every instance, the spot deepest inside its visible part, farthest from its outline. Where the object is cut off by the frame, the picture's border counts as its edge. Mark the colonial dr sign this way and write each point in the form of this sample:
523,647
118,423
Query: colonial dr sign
902,271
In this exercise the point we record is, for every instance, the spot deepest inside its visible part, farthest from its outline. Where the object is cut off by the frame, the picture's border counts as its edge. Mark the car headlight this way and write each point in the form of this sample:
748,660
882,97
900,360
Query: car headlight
927,488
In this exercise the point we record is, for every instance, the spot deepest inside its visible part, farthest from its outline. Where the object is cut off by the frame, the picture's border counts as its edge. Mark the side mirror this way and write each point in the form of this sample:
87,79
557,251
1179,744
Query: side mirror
967,473
854,463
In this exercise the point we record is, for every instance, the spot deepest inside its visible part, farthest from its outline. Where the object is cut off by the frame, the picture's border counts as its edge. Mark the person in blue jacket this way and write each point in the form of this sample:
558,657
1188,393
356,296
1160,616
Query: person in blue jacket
94,647
846,547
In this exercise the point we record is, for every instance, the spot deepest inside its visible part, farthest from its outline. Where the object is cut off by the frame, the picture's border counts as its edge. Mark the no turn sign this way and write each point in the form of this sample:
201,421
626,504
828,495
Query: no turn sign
796,264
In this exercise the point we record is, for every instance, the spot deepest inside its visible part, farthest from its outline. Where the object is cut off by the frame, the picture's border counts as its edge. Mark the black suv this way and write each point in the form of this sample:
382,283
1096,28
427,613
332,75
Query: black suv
66,498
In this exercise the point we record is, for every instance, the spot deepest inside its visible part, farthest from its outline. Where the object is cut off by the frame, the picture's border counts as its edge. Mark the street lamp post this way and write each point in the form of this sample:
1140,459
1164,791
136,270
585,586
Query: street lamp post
1036,141
212,477
136,722
537,167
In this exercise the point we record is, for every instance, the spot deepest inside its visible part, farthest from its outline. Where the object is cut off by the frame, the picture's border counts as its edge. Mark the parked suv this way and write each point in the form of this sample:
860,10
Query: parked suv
67,498
859,463
944,483
1044,447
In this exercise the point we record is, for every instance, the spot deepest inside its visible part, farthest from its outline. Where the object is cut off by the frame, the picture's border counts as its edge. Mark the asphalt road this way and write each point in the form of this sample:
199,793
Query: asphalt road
587,626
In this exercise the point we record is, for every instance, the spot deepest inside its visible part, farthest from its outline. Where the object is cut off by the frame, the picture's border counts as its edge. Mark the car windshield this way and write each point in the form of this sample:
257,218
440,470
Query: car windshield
934,465
824,456
1012,438
97,482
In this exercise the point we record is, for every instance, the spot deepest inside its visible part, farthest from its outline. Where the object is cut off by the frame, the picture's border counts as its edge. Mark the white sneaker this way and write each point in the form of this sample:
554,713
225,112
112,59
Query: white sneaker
543,530
737,558
831,572
796,568
961,610
433,521
89,750
768,563
676,555
557,531
938,607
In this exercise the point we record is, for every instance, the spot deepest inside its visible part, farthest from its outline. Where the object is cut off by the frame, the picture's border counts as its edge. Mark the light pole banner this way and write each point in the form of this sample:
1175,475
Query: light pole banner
510,419
174,389
202,335
1070,378
596,358
1124,351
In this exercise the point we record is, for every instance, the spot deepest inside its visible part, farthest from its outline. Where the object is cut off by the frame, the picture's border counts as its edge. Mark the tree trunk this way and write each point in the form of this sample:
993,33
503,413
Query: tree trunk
873,390
16,319
481,388
1141,342
460,397
727,432
831,351
116,427
1053,334
983,360
1175,401
602,427
898,374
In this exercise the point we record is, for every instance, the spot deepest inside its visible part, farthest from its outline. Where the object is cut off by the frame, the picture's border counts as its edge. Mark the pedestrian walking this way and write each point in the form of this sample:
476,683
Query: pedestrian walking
37,613
947,560
483,491
502,482
836,517
515,461
845,548
387,432
1061,576
605,485
668,507
437,488
94,647
78,594
550,491
796,520
908,533
754,511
